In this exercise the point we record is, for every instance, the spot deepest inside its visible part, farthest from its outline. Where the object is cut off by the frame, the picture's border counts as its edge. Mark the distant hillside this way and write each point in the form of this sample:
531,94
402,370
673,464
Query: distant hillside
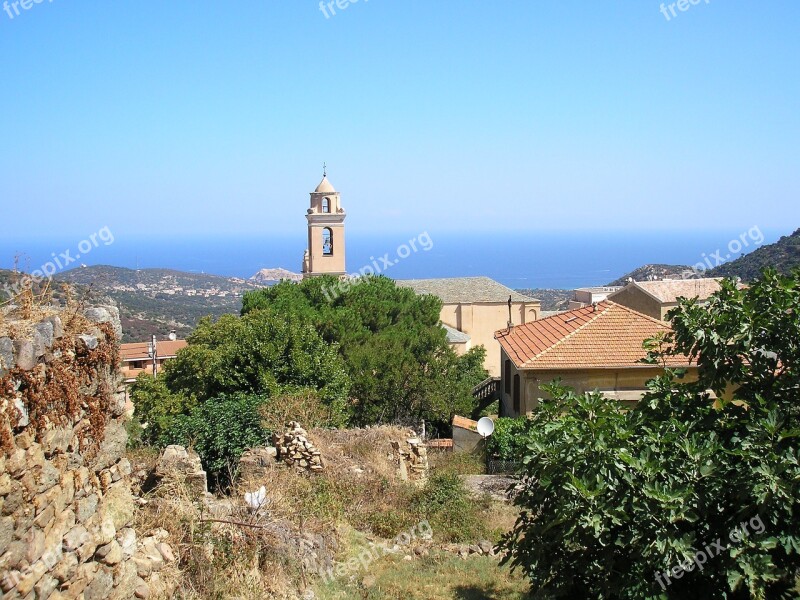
551,299
652,273
156,301
273,276
783,255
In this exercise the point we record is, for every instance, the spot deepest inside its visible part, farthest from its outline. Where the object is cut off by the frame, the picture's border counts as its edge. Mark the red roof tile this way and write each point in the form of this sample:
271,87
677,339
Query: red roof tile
606,336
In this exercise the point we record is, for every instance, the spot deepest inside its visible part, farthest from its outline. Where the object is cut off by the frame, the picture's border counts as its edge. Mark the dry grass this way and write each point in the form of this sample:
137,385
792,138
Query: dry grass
358,497
20,314
223,551
439,576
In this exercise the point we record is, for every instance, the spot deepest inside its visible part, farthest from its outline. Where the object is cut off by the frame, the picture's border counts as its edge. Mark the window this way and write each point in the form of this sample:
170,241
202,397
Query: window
326,205
327,242
507,377
137,364
516,394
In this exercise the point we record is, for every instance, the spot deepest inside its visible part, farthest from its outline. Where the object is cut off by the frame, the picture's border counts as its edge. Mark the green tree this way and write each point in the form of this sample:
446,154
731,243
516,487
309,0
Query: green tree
395,351
156,407
630,504
262,352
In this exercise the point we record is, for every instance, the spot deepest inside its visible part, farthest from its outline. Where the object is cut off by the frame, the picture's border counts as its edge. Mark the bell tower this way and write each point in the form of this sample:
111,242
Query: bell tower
325,253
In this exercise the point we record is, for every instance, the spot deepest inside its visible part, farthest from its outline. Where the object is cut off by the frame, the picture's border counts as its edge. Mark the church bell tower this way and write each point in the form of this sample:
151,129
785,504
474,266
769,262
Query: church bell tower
325,253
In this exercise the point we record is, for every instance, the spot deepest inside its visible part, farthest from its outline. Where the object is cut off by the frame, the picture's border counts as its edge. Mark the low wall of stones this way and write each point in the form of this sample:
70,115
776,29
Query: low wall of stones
66,507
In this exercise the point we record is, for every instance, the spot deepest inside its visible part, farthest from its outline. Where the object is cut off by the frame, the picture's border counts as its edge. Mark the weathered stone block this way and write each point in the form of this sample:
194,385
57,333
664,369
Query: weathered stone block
112,447
6,355
86,508
43,337
109,554
105,314
6,533
24,354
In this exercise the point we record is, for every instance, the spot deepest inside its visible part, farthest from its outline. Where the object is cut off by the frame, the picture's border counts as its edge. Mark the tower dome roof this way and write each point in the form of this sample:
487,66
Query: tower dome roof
325,187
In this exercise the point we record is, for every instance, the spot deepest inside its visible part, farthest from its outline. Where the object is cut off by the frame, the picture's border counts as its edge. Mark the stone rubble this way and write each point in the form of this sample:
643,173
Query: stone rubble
294,449
412,460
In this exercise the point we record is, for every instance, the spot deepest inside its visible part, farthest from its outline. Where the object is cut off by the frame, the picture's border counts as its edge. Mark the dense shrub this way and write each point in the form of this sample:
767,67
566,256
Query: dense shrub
510,438
630,504
220,430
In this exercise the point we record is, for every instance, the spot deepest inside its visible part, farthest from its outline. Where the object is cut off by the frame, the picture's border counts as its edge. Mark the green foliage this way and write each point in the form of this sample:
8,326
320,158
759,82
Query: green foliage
263,353
156,407
510,438
611,498
396,354
220,430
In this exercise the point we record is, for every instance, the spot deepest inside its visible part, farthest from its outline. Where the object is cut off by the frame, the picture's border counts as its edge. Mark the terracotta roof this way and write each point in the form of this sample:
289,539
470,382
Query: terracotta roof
465,423
669,290
608,336
138,350
464,290
439,443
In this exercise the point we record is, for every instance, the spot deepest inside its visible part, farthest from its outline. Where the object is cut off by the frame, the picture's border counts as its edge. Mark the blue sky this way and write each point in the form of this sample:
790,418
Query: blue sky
215,117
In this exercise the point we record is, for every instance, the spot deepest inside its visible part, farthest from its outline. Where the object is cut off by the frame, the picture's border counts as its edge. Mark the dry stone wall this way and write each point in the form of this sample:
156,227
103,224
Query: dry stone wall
66,507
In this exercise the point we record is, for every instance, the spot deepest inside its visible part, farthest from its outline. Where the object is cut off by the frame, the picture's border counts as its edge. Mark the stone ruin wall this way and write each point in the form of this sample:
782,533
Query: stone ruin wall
66,507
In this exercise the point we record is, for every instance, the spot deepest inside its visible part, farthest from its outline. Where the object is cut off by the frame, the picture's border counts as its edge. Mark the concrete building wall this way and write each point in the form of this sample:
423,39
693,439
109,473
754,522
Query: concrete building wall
632,380
636,299
481,320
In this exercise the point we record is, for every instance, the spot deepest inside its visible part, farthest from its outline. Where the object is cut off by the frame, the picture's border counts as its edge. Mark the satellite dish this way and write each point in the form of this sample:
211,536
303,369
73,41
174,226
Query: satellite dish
485,426
173,336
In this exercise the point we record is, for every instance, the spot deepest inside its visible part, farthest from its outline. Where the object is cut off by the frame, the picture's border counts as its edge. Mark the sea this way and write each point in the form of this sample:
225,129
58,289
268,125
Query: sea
535,259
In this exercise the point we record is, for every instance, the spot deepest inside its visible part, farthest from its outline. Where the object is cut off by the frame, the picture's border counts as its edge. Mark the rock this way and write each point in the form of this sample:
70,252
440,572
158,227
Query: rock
100,587
118,404
24,354
166,551
48,477
75,538
6,355
486,546
177,463
255,463
105,314
65,569
56,441
45,587
142,591
6,533
58,327
127,541
112,447
43,337
117,506
110,554
89,341
86,508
